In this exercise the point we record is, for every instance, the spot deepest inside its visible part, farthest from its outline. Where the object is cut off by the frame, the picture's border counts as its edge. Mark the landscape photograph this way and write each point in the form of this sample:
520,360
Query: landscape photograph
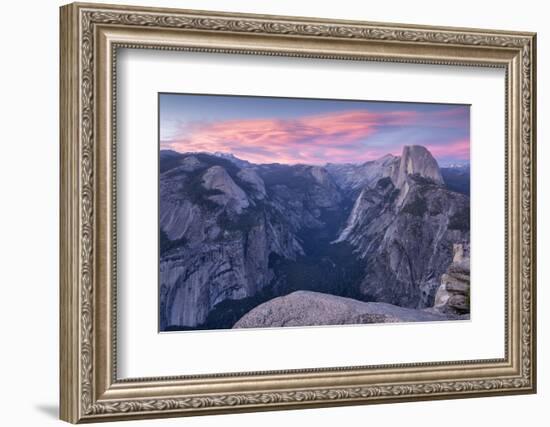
298,212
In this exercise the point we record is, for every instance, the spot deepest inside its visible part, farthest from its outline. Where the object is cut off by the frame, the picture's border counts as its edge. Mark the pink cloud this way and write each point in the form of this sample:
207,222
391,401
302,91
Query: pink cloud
310,139
315,139
457,149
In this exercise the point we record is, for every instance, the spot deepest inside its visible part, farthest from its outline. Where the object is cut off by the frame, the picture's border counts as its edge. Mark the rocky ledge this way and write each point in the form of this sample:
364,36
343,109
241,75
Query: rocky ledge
453,296
306,308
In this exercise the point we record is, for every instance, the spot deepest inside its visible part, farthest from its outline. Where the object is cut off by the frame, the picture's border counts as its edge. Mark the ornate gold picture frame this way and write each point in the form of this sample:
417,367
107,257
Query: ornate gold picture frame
91,35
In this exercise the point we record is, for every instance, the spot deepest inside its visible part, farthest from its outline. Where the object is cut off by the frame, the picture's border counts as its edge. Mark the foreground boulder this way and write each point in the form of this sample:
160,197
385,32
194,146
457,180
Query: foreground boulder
305,308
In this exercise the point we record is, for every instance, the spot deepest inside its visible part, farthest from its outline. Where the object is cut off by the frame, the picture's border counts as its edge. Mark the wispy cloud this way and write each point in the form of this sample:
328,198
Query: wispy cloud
345,136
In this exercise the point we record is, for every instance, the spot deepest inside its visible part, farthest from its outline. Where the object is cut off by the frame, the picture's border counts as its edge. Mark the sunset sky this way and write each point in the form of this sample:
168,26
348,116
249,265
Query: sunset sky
311,131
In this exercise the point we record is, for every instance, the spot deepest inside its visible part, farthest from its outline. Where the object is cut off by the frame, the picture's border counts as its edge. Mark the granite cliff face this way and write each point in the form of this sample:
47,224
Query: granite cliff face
417,160
234,235
222,225
404,226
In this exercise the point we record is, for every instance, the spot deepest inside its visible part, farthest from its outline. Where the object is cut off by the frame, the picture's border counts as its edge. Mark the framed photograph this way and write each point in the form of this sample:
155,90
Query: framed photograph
266,212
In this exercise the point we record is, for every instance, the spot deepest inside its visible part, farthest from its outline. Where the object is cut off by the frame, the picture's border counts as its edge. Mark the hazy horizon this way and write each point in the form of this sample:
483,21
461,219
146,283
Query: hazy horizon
227,153
265,130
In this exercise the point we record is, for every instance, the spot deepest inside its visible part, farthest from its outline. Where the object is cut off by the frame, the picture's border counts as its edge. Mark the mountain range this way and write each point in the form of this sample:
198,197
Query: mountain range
235,236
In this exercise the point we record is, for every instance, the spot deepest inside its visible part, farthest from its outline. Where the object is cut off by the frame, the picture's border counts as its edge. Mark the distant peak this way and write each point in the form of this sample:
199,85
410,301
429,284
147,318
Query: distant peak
168,152
232,158
223,154
463,165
